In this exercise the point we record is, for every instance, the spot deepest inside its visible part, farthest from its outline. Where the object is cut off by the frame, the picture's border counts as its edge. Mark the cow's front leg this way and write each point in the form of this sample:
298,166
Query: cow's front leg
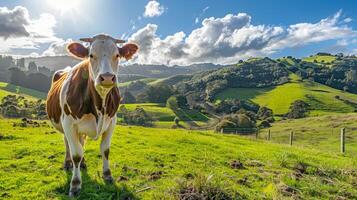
76,156
104,149
67,165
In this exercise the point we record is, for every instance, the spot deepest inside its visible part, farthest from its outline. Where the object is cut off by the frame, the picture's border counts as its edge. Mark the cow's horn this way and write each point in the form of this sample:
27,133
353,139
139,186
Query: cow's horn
90,40
119,41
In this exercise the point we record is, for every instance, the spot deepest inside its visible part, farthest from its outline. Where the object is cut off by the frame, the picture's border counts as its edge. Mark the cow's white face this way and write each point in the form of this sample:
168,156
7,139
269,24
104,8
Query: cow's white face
103,59
103,55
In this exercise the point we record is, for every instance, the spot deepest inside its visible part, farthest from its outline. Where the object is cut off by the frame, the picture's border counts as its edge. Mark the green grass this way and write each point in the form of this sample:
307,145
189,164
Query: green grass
319,59
31,160
321,132
145,80
158,111
320,97
10,89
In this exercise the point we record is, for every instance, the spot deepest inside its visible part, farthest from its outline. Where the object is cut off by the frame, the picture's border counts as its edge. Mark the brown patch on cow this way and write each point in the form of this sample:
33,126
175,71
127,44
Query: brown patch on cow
82,97
76,181
66,110
76,159
106,154
53,107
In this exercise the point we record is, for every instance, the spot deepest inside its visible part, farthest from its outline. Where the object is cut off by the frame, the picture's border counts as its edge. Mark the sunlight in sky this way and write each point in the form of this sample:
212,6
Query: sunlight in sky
64,6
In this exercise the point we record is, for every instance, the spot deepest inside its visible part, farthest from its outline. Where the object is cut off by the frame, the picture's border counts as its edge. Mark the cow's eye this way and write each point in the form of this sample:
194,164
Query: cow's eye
117,55
91,55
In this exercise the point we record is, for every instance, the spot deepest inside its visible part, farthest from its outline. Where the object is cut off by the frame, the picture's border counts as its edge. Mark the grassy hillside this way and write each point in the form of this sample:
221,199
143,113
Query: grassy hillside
320,59
320,97
317,132
7,89
164,116
164,163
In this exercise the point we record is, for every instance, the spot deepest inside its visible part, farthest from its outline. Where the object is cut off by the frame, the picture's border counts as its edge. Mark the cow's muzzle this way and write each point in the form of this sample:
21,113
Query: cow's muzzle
107,79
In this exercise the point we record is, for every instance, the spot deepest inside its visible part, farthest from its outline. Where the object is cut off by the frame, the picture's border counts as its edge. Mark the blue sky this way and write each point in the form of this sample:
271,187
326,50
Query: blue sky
265,27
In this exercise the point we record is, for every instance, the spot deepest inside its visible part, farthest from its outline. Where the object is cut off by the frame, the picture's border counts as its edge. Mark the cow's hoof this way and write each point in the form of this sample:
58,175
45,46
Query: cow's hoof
108,179
107,176
73,192
67,165
83,165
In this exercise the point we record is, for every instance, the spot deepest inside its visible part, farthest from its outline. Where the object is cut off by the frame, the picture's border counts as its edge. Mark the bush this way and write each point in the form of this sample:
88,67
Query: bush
264,113
236,121
17,106
298,109
136,117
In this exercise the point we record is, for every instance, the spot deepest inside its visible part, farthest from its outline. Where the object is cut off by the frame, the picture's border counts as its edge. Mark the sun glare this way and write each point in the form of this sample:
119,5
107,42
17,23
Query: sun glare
64,5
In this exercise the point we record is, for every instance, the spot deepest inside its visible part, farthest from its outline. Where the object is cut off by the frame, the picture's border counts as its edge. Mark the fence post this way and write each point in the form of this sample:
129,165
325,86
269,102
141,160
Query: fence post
268,138
221,130
256,134
343,139
291,138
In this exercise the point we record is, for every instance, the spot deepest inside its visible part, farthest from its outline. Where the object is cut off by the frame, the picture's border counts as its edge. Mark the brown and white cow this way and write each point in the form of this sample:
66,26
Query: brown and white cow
83,100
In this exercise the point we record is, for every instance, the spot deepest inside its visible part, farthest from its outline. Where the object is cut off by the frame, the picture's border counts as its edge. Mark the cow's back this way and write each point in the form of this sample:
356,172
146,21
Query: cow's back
53,107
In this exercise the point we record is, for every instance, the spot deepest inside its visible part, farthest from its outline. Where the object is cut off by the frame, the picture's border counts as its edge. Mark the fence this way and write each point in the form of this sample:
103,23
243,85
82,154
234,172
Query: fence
292,138
291,141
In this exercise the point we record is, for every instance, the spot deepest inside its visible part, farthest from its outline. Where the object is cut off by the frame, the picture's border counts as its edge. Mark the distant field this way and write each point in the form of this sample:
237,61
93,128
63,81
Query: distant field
145,80
320,97
164,116
7,89
322,132
320,59
155,163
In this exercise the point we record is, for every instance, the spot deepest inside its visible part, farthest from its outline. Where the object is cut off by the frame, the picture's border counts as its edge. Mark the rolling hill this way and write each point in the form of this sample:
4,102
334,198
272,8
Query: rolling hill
322,99
10,89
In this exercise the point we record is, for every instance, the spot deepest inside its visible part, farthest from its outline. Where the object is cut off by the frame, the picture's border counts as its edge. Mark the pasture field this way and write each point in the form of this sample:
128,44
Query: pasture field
320,59
164,116
10,89
322,99
157,163
322,132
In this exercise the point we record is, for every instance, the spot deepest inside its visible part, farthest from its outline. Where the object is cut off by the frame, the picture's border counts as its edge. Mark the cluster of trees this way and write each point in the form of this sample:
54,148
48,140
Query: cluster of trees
13,106
298,109
14,71
136,117
340,74
254,73
238,114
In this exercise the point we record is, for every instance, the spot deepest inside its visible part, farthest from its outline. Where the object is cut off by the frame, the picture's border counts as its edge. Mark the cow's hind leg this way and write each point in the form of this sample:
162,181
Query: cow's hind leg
82,141
76,156
104,149
68,164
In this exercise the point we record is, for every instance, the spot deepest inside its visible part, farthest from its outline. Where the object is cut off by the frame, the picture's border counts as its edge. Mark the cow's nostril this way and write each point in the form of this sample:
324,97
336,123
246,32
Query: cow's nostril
113,79
101,78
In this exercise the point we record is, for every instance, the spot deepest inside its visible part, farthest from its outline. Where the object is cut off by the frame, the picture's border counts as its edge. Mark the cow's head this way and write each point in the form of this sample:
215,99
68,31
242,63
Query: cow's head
103,55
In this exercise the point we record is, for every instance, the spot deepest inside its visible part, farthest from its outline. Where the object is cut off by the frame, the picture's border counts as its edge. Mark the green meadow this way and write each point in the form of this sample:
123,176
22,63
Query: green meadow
163,163
322,99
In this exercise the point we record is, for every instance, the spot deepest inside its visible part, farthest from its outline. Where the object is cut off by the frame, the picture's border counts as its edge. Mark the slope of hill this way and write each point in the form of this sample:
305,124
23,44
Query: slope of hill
322,132
322,99
171,164
10,89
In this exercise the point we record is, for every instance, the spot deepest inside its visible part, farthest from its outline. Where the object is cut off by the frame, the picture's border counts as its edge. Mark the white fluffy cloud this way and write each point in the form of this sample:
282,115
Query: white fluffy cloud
233,37
19,31
153,9
57,48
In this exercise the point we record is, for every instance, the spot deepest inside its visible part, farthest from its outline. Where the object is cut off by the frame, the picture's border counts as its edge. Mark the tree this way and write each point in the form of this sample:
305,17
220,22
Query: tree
17,76
158,93
298,109
32,67
21,63
128,97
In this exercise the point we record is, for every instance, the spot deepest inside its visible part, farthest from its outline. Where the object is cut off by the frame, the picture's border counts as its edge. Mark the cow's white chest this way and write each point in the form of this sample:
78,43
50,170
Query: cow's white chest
94,129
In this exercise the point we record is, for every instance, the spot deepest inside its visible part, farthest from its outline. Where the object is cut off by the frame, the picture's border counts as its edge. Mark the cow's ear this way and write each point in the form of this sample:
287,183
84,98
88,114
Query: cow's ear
128,50
77,50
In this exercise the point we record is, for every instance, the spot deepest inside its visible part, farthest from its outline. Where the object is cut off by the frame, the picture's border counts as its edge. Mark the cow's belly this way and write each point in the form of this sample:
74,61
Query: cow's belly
94,129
